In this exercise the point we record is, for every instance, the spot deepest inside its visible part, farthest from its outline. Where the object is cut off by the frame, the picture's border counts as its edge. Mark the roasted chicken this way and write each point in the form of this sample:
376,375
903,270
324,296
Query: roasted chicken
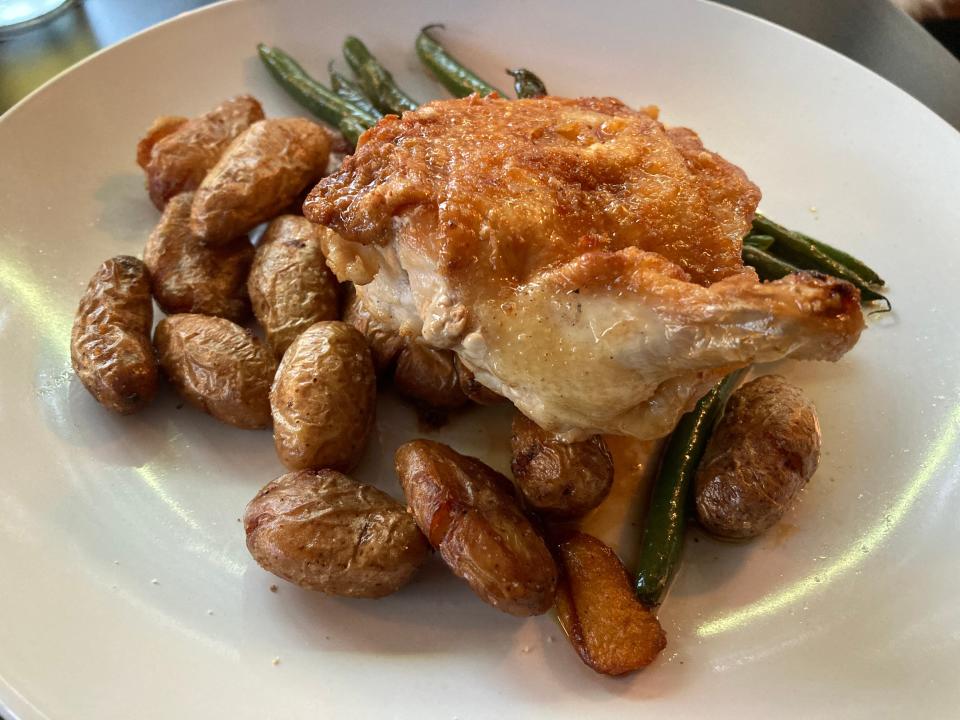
580,258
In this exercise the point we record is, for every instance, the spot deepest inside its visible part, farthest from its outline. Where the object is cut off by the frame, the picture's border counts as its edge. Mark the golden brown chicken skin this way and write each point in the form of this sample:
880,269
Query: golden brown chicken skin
518,185
580,258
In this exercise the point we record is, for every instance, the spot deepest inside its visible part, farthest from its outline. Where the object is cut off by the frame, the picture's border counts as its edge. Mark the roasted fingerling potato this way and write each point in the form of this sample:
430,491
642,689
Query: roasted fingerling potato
385,343
262,171
612,631
557,478
323,531
470,514
290,285
428,376
323,400
159,129
472,388
110,342
218,367
176,153
189,276
765,448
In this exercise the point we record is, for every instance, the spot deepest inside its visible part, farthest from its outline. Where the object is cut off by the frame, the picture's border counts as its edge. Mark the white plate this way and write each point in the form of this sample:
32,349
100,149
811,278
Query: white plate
848,610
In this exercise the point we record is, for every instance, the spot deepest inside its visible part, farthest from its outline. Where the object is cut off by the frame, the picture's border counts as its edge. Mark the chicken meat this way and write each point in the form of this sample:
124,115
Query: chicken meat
580,258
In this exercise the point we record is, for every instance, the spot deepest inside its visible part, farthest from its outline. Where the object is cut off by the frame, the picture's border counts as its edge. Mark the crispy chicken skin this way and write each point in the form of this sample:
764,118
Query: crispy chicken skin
518,186
580,258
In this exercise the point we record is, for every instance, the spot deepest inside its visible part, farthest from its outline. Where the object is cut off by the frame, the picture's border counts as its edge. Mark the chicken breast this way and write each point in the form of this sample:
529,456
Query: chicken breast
581,259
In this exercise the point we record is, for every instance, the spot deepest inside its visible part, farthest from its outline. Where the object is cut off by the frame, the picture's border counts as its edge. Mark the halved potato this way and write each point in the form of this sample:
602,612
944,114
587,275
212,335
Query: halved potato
611,630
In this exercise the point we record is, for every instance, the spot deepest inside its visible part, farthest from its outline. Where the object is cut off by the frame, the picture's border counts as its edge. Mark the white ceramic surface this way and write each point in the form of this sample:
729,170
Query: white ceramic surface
125,587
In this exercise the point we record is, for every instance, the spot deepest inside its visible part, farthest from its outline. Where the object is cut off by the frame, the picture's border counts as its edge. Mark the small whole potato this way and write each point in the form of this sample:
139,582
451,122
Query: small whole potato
188,276
763,451
323,531
469,512
176,153
428,376
110,343
324,399
474,390
559,479
218,367
264,170
159,129
385,343
611,630
290,285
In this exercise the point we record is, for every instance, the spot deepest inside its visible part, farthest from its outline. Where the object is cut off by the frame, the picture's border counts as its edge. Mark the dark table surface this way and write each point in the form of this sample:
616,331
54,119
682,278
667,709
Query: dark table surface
872,32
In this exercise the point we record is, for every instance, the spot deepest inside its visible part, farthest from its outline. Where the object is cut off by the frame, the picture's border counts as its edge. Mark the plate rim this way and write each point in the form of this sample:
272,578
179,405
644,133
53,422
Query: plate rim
217,4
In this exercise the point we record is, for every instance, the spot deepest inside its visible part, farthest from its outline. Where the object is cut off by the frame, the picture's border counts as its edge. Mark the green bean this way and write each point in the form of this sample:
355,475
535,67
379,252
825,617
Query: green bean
772,267
797,250
768,267
375,79
352,128
846,259
662,541
320,100
351,92
854,265
802,252
526,84
447,69
758,241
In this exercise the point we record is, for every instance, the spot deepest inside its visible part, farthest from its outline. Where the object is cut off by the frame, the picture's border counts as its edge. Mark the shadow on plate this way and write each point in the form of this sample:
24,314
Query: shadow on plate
435,613
126,213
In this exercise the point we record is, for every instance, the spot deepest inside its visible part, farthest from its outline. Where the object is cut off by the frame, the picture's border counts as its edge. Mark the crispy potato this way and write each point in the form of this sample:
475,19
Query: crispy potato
428,376
612,631
323,531
188,276
324,398
159,129
385,344
290,285
218,367
559,479
474,390
110,342
176,156
763,451
469,512
258,176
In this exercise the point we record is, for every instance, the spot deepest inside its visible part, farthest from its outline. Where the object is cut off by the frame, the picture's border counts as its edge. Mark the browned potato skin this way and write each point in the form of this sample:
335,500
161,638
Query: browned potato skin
475,391
188,276
324,399
428,376
558,479
290,285
110,342
218,367
763,451
177,156
258,176
385,344
469,513
159,129
323,531
612,631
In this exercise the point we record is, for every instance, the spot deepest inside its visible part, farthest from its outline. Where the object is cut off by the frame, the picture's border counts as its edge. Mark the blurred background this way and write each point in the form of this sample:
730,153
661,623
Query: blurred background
909,42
